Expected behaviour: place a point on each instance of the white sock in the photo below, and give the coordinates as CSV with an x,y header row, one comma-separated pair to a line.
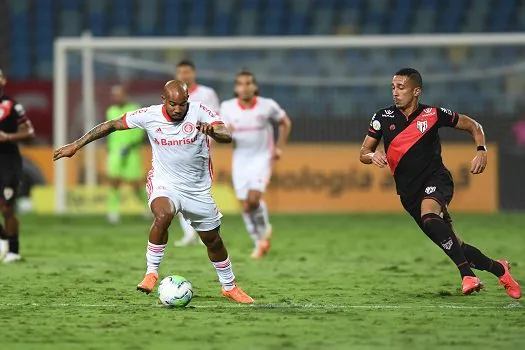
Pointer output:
x,y
260,218
250,227
154,255
187,229
225,273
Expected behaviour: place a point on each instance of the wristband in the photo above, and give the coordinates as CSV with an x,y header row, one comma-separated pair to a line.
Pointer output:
x,y
482,148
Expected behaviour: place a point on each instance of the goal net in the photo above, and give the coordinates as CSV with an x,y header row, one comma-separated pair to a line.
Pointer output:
x,y
330,86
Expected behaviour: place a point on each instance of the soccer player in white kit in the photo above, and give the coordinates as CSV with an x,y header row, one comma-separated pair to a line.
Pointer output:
x,y
180,178
186,72
249,117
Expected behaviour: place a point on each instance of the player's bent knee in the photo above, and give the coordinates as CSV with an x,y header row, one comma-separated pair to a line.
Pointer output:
x,y
214,244
163,218
252,204
211,239
430,206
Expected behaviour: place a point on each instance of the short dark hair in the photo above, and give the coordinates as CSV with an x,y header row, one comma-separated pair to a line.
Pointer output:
x,y
412,74
247,73
186,63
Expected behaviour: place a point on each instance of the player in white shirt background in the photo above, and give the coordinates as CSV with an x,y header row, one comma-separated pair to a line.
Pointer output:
x,y
186,72
250,118
180,178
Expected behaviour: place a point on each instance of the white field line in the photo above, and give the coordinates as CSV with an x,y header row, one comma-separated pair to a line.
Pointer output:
x,y
513,305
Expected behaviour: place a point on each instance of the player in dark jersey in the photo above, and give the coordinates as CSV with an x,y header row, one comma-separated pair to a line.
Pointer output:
x,y
413,153
14,127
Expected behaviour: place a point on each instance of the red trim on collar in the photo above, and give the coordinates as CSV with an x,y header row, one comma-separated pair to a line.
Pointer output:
x,y
250,106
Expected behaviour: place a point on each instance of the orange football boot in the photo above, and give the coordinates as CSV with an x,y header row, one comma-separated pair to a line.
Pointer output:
x,y
148,283
512,287
471,284
263,247
238,295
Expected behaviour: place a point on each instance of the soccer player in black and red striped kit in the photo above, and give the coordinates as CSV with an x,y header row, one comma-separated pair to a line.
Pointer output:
x,y
425,186
14,127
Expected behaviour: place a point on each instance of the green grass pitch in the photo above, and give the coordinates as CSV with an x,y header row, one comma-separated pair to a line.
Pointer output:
x,y
330,282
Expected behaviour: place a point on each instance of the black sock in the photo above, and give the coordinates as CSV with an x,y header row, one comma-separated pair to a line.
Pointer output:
x,y
14,245
2,233
480,261
442,235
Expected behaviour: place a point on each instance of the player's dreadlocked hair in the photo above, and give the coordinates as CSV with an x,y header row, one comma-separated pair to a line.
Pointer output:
x,y
412,74
246,73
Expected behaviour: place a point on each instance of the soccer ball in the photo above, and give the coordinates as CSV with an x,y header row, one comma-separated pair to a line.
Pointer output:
x,y
175,291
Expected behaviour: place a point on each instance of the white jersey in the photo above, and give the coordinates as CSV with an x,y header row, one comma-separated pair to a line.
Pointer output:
x,y
206,95
181,153
252,130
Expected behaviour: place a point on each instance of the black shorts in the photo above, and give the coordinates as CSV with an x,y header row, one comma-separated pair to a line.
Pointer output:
x,y
10,176
439,187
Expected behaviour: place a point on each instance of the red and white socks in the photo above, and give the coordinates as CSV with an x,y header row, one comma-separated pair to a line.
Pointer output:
x,y
154,255
225,273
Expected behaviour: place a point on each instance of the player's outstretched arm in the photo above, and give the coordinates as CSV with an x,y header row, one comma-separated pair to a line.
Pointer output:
x,y
370,155
479,162
99,131
218,131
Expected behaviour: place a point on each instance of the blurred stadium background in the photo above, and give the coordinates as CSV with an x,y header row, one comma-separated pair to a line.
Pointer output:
x,y
358,279
329,93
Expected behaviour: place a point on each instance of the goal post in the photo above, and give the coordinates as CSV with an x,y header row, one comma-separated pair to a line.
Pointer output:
x,y
112,51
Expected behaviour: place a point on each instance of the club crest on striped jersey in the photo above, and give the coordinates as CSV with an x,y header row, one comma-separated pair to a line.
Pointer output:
x,y
422,126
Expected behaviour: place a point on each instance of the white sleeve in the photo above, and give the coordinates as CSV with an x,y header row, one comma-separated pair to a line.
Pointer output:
x,y
207,115
214,101
136,119
276,112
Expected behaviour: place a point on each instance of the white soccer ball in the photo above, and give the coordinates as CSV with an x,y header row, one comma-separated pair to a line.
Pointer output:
x,y
175,291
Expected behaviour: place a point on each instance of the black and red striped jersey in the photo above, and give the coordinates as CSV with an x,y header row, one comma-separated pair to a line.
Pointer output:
x,y
12,114
412,144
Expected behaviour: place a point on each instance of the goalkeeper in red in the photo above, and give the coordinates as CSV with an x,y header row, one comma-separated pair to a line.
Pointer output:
x,y
425,186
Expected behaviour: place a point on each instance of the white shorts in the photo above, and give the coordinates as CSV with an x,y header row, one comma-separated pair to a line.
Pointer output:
x,y
199,209
250,175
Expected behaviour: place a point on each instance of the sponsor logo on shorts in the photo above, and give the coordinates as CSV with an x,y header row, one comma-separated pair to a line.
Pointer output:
x,y
430,189
447,245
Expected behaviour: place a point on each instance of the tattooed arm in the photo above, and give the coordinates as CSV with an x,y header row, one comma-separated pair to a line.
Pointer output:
x,y
99,131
